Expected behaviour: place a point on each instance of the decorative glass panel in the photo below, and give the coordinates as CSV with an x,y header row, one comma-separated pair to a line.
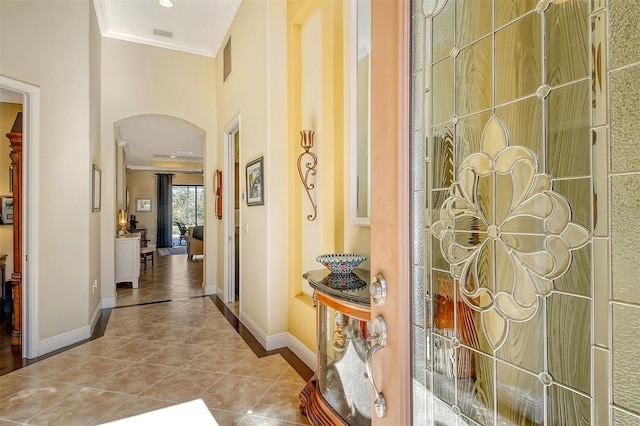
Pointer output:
x,y
568,131
568,408
516,219
625,37
625,120
620,418
443,91
601,292
625,350
601,363
579,195
598,62
474,77
419,355
577,280
504,254
518,59
625,234
442,30
509,10
417,83
567,41
524,121
520,397
473,21
475,397
442,156
468,133
523,344
569,334
418,296
443,371
600,161
418,41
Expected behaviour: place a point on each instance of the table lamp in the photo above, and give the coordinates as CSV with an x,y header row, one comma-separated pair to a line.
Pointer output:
x,y
122,220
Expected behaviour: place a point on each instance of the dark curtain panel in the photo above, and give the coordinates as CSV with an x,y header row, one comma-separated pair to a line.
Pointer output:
x,y
164,209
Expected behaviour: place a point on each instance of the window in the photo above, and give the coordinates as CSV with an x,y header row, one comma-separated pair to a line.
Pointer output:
x,y
188,204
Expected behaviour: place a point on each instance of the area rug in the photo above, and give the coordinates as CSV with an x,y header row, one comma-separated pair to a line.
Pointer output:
x,y
169,251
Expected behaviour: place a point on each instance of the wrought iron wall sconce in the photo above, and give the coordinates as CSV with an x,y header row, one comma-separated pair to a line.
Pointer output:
x,y
310,168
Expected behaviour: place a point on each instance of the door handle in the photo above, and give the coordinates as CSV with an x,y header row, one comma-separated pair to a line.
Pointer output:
x,y
378,340
378,290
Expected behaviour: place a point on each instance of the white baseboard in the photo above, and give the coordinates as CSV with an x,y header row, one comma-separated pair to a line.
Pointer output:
x,y
277,341
94,317
209,289
108,302
253,328
305,354
65,339
280,340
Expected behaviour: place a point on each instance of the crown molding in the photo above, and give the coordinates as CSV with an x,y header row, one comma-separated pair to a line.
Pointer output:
x,y
181,47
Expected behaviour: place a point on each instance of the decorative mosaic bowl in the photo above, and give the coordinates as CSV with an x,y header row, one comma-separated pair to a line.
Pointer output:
x,y
344,282
341,263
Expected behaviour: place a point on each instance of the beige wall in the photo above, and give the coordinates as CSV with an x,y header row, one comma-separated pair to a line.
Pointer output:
x,y
139,79
95,56
67,61
8,113
55,57
255,90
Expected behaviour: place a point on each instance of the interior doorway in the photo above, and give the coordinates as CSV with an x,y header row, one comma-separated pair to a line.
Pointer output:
x,y
231,206
30,218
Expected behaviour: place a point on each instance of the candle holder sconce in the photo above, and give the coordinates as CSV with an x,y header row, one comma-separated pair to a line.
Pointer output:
x,y
310,168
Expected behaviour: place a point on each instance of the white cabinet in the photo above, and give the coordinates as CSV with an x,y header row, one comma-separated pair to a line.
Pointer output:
x,y
128,259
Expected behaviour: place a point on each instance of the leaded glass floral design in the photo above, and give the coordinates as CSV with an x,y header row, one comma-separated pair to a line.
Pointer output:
x,y
505,232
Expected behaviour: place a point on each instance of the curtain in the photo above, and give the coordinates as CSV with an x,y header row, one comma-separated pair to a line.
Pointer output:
x,y
164,209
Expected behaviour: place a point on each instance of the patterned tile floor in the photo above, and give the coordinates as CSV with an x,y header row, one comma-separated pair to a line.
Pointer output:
x,y
152,356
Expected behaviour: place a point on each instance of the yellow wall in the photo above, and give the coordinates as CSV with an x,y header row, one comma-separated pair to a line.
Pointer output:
x,y
317,56
8,113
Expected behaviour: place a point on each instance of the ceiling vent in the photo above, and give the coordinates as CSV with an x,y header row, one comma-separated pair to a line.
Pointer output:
x,y
162,33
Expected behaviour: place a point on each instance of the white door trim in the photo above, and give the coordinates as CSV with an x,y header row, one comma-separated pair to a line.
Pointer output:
x,y
228,208
31,216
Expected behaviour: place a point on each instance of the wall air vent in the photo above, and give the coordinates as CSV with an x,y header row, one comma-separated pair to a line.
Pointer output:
x,y
162,33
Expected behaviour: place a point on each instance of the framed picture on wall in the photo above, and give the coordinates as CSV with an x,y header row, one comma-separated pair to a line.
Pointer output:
x,y
255,183
143,205
96,188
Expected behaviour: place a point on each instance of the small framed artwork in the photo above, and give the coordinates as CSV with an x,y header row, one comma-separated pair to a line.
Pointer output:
x,y
96,185
255,183
143,205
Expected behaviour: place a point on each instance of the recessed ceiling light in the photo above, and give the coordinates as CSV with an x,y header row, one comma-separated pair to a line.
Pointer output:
x,y
172,156
166,3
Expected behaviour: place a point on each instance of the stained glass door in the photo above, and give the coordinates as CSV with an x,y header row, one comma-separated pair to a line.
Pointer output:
x,y
523,178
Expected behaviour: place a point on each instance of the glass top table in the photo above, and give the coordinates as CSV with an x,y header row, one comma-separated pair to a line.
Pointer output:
x,y
352,287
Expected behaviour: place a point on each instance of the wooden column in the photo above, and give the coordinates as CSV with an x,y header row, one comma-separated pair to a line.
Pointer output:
x,y
15,141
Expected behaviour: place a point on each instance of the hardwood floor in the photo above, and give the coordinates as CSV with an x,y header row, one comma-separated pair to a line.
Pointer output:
x,y
172,277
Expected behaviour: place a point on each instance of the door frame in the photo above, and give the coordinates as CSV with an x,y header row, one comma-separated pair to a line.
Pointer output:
x,y
390,199
31,217
228,207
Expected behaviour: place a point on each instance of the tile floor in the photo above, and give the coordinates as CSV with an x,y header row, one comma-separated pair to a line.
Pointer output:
x,y
152,356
